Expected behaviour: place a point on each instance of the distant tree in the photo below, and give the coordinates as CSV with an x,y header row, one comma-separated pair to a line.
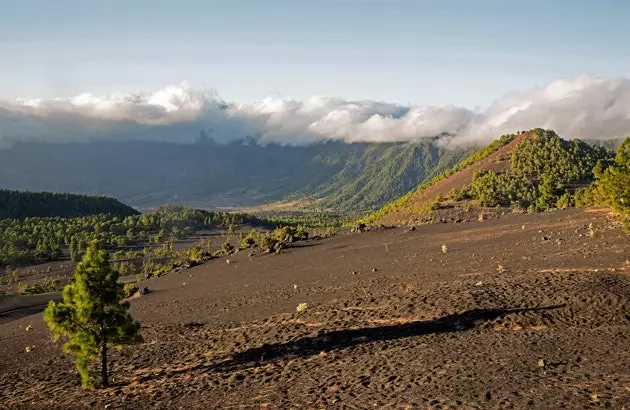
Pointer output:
x,y
91,316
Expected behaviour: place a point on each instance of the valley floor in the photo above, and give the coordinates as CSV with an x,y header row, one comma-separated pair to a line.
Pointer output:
x,y
522,311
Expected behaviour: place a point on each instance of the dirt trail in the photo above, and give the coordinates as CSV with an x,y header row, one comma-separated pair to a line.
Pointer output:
x,y
522,311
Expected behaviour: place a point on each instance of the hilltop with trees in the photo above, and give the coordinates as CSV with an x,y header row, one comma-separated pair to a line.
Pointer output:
x,y
534,170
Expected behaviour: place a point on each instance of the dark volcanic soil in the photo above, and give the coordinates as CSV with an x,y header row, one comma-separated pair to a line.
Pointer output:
x,y
522,311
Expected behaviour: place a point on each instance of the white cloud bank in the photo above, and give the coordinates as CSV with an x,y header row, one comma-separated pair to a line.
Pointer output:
x,y
580,107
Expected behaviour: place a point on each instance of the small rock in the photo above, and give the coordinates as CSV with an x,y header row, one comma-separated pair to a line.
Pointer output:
x,y
480,283
354,272
541,363
412,229
374,269
144,291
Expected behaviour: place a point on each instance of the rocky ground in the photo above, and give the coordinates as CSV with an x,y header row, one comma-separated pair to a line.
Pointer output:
x,y
515,311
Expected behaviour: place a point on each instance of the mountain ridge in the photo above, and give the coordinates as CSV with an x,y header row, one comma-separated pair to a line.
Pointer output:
x,y
332,175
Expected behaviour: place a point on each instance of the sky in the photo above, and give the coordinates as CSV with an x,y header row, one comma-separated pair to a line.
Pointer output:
x,y
466,53
301,71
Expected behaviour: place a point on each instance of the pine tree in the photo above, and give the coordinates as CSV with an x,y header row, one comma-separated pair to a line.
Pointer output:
x,y
614,182
91,316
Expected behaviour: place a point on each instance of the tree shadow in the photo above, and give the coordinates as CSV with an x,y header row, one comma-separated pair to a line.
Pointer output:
x,y
341,339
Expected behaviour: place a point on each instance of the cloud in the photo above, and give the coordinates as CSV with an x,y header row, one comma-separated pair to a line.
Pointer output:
x,y
580,107
584,107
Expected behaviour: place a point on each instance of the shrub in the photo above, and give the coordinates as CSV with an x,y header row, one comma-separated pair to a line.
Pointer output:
x,y
288,234
129,290
250,240
227,248
196,255
457,194
268,242
125,268
45,286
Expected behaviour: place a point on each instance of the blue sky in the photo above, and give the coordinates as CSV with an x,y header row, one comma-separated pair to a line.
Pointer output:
x,y
420,52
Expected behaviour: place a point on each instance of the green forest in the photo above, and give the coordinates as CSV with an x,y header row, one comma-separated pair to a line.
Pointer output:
x,y
44,239
546,172
18,204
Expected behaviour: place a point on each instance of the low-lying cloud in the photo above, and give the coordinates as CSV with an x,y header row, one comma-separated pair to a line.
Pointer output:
x,y
580,107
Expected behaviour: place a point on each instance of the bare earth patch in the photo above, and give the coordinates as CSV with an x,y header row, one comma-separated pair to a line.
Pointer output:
x,y
507,318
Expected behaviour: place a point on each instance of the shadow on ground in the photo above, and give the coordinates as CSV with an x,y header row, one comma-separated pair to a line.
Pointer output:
x,y
341,339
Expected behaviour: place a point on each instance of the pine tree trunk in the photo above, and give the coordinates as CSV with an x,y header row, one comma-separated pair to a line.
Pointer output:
x,y
104,377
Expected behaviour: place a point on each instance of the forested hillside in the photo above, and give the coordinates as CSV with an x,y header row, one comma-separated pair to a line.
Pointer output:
x,y
534,170
16,204
545,172
332,175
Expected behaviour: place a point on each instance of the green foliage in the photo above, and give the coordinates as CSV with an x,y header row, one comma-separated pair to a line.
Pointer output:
x,y
288,234
125,268
457,194
282,237
587,196
197,255
37,240
250,240
544,167
20,205
613,182
129,290
268,242
373,174
546,155
476,156
492,189
44,286
227,248
546,172
91,317
306,218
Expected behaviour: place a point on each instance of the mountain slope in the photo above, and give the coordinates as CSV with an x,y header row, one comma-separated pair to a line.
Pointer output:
x,y
332,175
535,169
